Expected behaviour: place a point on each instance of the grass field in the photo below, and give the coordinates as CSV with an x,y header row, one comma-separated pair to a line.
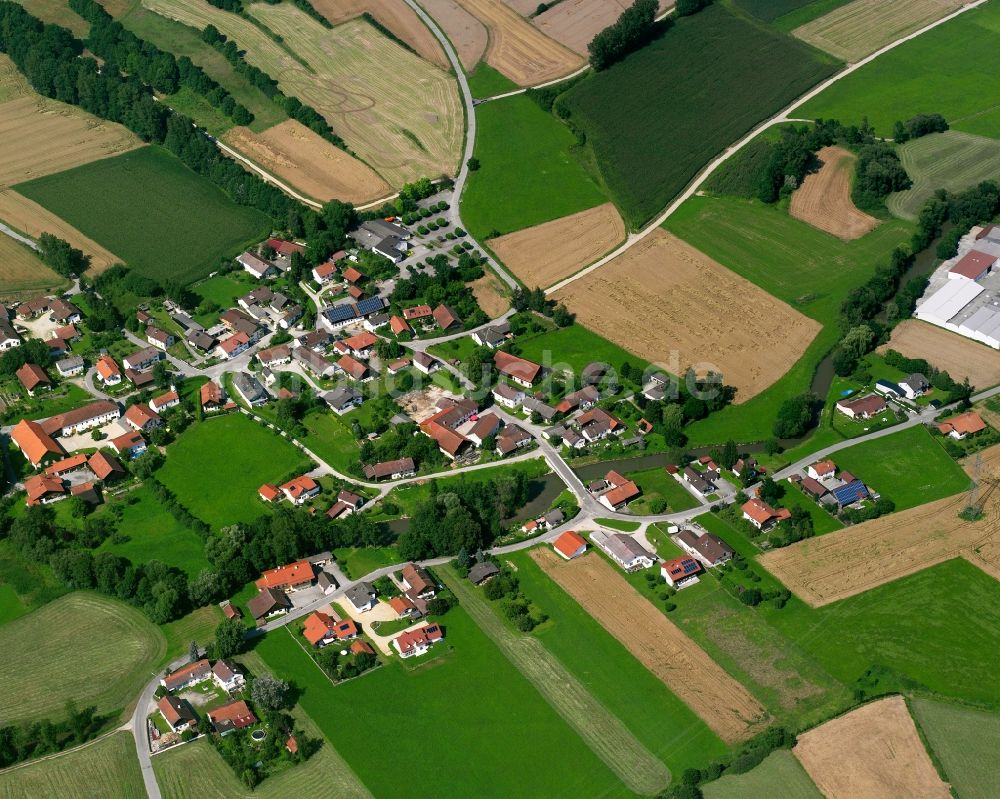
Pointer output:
x,y
114,200
73,658
648,144
11,605
951,160
657,483
331,438
931,73
155,535
596,722
963,740
573,348
22,272
466,681
58,13
823,522
528,173
908,467
484,81
618,524
200,470
107,769
779,775
654,715
359,561
25,584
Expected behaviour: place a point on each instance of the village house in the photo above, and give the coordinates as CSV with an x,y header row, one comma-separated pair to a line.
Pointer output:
x,y
314,362
511,439
398,326
80,420
73,463
413,643
337,316
275,356
235,345
597,424
144,359
108,371
707,547
424,363
325,271
319,629
569,545
915,385
392,470
747,467
64,312
268,493
268,603
233,716
130,444
227,676
373,323
142,418
521,371
404,608
258,267
493,336
177,713
763,516
966,424
416,313
212,397
288,578
106,468
862,407
398,366
698,481
187,676
621,491
300,489
361,596
822,470
160,339
850,492
8,336
417,582
169,400
249,389
446,318
285,248
583,399
487,425
354,369
70,367
483,572
346,504
33,378
624,550
506,395
342,399
42,489
680,572
361,345
813,487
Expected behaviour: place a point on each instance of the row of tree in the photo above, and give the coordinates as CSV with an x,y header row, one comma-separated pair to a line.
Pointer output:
x,y
634,28
46,737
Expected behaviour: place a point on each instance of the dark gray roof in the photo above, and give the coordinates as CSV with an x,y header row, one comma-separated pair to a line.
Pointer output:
x,y
482,571
341,397
360,594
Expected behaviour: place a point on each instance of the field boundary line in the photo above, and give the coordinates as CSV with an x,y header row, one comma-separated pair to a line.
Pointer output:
x,y
781,117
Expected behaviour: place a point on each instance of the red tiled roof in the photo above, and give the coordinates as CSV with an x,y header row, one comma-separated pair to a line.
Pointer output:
x,y
40,485
965,424
32,375
127,441
352,275
402,605
344,629
211,393
516,367
359,647
824,467
140,414
398,325
626,492
285,247
104,465
238,713
268,492
445,317
106,367
230,344
362,341
354,368
34,442
569,543
758,510
416,312
318,625
422,636
67,464
682,567
299,486
291,574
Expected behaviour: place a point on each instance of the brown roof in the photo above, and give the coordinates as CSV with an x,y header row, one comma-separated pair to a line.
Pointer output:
x,y
32,375
387,468
34,442
516,367
972,264
417,578
445,317
865,406
104,466
89,411
965,424
713,548
268,599
197,671
625,492
141,415
446,438
40,485
175,710
487,425
237,713
398,325
354,368
127,440
813,486
416,312
211,393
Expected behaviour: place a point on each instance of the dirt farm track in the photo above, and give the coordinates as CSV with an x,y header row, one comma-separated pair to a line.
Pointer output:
x,y
863,556
722,703
824,198
691,298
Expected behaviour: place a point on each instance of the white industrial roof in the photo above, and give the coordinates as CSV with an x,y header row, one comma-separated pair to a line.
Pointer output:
x,y
947,301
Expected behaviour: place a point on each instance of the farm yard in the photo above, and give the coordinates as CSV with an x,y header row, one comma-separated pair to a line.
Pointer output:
x,y
207,449
930,74
32,219
395,15
467,34
574,23
403,131
779,775
544,254
959,356
461,682
526,157
603,732
951,160
870,753
852,31
962,740
648,144
22,272
113,201
70,661
309,163
721,702
692,300
108,767
517,49
824,198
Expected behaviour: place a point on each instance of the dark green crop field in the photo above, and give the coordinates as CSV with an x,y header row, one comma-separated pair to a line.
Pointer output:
x,y
655,119
145,206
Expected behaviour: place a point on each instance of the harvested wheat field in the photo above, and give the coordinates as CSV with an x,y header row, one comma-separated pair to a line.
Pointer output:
x,y
824,198
873,752
39,137
466,33
723,703
575,22
961,357
544,254
396,16
13,84
517,48
863,556
861,27
309,163
404,129
22,272
705,316
32,219
489,294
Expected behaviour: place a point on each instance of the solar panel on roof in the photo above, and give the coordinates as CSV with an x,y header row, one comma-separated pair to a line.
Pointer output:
x,y
851,492
339,313
370,306
689,566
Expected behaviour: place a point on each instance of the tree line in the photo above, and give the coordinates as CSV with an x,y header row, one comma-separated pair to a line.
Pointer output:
x,y
634,28
20,742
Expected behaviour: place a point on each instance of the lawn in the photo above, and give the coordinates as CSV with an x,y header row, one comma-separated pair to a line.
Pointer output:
x,y
657,483
527,174
108,769
216,467
484,716
823,522
64,397
359,561
11,605
950,70
661,721
115,201
573,348
704,83
331,438
460,348
94,650
484,81
199,625
618,524
779,775
964,741
24,584
154,534
224,289
908,467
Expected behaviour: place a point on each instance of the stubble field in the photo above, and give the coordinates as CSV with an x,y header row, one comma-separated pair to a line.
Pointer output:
x,y
853,31
544,254
467,34
404,129
489,293
824,198
870,753
860,557
723,703
964,740
518,49
574,23
21,271
309,163
396,16
959,356
694,303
